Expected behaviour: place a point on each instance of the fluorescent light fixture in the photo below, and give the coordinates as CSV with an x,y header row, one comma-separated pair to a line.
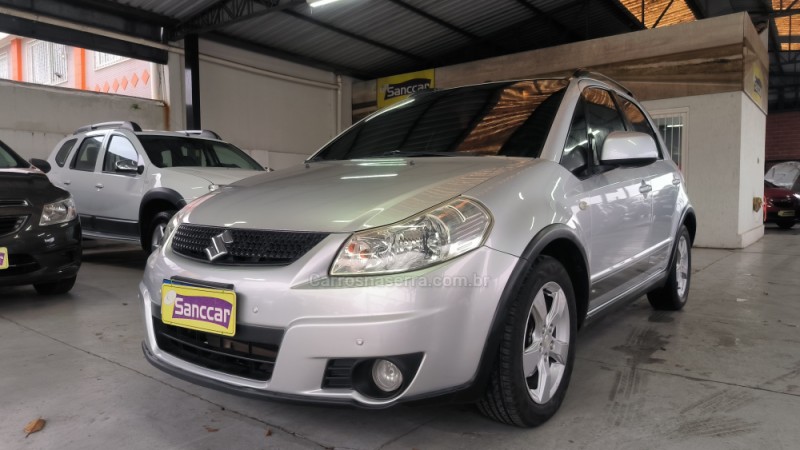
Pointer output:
x,y
361,177
315,3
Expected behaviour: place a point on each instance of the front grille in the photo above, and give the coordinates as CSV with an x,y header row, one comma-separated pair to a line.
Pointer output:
x,y
248,246
20,264
4,203
241,358
10,224
339,374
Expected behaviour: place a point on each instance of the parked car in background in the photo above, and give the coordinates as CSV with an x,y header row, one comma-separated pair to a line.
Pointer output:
x,y
781,205
40,236
448,246
127,183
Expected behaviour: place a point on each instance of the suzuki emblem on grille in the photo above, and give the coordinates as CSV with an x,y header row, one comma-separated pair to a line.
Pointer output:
x,y
217,247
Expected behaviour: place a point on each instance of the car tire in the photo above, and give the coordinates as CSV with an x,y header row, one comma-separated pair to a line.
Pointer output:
x,y
156,230
55,287
673,295
785,224
534,362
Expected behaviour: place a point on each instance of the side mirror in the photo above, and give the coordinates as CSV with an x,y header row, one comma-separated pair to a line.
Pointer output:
x,y
126,167
140,170
628,147
41,164
269,169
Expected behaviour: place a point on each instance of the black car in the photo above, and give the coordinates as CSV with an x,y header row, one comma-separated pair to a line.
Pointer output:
x,y
40,236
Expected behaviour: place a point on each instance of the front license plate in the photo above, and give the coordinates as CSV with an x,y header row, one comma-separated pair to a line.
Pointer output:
x,y
199,308
3,258
786,213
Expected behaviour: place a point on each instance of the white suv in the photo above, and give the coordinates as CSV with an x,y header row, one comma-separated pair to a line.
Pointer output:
x,y
127,183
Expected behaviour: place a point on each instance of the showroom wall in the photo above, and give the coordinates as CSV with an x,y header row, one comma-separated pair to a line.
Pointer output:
x,y
725,163
278,111
783,136
34,118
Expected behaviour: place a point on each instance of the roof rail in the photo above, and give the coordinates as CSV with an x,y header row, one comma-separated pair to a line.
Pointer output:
x,y
201,133
583,73
133,126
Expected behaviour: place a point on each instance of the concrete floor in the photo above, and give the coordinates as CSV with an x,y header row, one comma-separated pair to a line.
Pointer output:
x,y
722,374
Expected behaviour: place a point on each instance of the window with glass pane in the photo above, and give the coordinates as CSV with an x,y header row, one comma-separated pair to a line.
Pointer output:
x,y
672,130
4,70
48,63
120,149
102,60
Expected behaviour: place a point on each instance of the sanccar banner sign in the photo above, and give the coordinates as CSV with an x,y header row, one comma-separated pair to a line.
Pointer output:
x,y
398,87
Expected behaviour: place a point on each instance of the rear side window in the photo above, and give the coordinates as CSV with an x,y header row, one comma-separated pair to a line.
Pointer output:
x,y
86,156
63,152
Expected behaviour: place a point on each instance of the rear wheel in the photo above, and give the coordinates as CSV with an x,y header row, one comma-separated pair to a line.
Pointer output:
x,y
673,295
155,232
55,287
537,350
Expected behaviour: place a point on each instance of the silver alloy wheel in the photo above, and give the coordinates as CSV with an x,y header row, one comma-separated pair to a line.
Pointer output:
x,y
682,266
546,342
158,235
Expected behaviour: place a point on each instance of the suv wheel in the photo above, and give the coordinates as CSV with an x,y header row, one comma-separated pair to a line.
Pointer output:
x,y
537,349
55,287
673,295
155,232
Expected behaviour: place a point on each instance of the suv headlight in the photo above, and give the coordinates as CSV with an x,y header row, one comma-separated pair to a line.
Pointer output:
x,y
58,212
431,237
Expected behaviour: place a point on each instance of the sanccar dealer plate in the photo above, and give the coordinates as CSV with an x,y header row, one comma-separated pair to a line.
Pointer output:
x,y
3,258
199,308
786,213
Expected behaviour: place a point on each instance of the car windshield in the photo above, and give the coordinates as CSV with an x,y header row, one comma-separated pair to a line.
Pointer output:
x,y
10,160
506,119
178,151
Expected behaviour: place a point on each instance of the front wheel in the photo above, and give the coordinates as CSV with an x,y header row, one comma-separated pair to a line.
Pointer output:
x,y
786,224
673,295
537,349
155,232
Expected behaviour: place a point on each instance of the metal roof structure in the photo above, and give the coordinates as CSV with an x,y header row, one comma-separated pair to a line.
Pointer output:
x,y
372,38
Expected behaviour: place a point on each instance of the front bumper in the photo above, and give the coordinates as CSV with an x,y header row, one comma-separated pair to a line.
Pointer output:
x,y
443,312
42,254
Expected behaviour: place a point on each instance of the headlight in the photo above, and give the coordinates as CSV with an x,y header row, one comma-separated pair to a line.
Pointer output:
x,y
433,236
58,212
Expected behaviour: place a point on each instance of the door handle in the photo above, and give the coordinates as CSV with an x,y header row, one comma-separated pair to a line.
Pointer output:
x,y
99,185
68,182
645,188
676,181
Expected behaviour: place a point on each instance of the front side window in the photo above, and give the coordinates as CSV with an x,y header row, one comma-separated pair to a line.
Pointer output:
x,y
636,118
86,156
177,151
48,63
120,149
508,119
602,117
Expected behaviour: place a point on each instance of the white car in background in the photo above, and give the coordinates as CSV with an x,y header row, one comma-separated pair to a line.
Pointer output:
x,y
127,183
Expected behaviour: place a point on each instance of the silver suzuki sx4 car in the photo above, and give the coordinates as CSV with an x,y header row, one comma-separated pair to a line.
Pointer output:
x,y
448,246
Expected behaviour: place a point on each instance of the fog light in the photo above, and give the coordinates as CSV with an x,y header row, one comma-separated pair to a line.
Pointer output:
x,y
386,375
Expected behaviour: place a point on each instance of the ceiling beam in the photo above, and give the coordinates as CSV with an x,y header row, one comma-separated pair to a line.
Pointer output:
x,y
358,37
625,16
555,23
445,24
663,13
227,12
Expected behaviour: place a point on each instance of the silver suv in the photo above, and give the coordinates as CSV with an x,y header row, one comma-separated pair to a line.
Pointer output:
x,y
127,183
449,246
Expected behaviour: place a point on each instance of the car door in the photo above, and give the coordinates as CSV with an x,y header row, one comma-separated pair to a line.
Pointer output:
x,y
119,192
616,199
665,180
80,179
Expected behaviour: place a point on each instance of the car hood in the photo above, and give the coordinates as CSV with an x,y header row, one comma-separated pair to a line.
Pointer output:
x,y
345,196
215,175
28,184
